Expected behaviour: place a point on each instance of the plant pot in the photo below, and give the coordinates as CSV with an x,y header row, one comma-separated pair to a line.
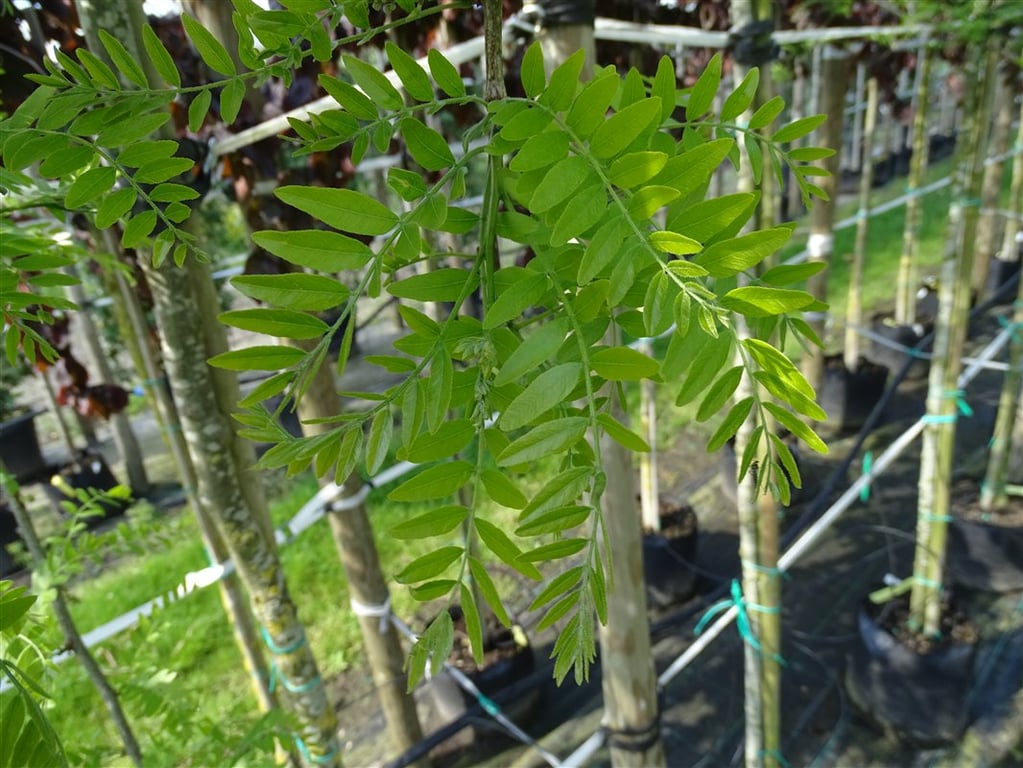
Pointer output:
x,y
8,535
507,658
850,396
1000,273
668,557
19,448
920,698
985,557
892,358
89,471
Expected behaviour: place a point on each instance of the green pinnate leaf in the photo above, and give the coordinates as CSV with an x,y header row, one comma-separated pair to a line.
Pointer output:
x,y
729,257
101,74
563,178
123,60
569,580
546,392
767,113
147,151
283,323
257,358
718,394
540,151
445,441
66,161
427,147
486,587
563,83
358,104
498,542
210,49
162,61
663,86
231,98
674,243
436,522
624,127
172,193
556,550
114,206
555,520
797,427
343,209
198,110
534,350
798,129
582,212
138,228
589,110
436,482
473,625
635,168
445,284
546,439
623,364
710,359
532,72
158,171
445,74
502,490
296,291
762,301
622,434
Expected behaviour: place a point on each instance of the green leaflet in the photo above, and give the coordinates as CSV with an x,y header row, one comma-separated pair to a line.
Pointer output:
x,y
674,243
343,209
710,358
718,394
89,186
212,51
622,434
758,301
544,440
66,161
231,98
663,86
729,257
555,520
739,100
773,361
488,590
283,323
545,392
736,416
445,284
169,192
602,249
445,74
558,586
797,427
635,168
116,204
563,82
589,110
531,73
267,388
376,85
358,104
497,541
582,212
445,441
413,77
146,151
138,228
436,522
624,127
162,61
429,566
789,274
798,128
298,291
649,199
525,292
436,482
540,151
783,388
693,168
563,178
623,364
534,350
315,249
198,108
706,220
427,147
502,490
157,171
257,358
702,94
438,391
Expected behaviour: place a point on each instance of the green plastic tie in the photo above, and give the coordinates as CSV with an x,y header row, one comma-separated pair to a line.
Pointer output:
x,y
968,202
960,397
765,569
276,674
939,418
868,464
938,518
777,756
278,650
742,617
925,582
1013,328
488,705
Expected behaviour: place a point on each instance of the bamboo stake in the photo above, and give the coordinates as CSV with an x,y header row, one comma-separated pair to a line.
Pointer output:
x,y
854,308
71,635
648,483
905,295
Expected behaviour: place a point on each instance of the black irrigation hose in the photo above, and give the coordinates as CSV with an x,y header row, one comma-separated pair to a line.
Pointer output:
x,y
671,622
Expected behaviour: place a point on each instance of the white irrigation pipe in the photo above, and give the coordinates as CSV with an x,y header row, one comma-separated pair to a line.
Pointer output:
x,y
799,547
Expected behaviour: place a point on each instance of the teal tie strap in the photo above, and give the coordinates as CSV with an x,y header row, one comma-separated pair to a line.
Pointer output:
x,y
868,464
960,397
742,622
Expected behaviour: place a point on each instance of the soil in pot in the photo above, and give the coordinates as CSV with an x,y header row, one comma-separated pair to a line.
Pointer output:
x,y
669,555
90,470
985,551
507,658
914,688
850,396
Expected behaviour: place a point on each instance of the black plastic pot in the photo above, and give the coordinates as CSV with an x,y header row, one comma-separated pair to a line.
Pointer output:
x,y
19,448
668,557
985,557
850,396
90,470
515,662
1001,272
903,335
8,535
919,698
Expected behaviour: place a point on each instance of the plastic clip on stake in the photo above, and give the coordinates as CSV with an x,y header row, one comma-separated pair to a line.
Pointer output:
x,y
381,611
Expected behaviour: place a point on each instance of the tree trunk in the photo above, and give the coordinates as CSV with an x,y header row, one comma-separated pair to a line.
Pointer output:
x,y
648,483
943,397
905,293
73,638
854,308
821,243
353,536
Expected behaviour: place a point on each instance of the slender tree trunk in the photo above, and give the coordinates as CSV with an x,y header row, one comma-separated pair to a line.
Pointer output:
x,y
905,295
648,485
353,536
821,243
950,336
854,307
990,220
73,638
1008,432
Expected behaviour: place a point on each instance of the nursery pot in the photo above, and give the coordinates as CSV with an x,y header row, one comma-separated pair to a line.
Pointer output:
x,y
8,535
90,470
850,396
507,658
1001,272
984,556
892,358
920,697
19,448
668,557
